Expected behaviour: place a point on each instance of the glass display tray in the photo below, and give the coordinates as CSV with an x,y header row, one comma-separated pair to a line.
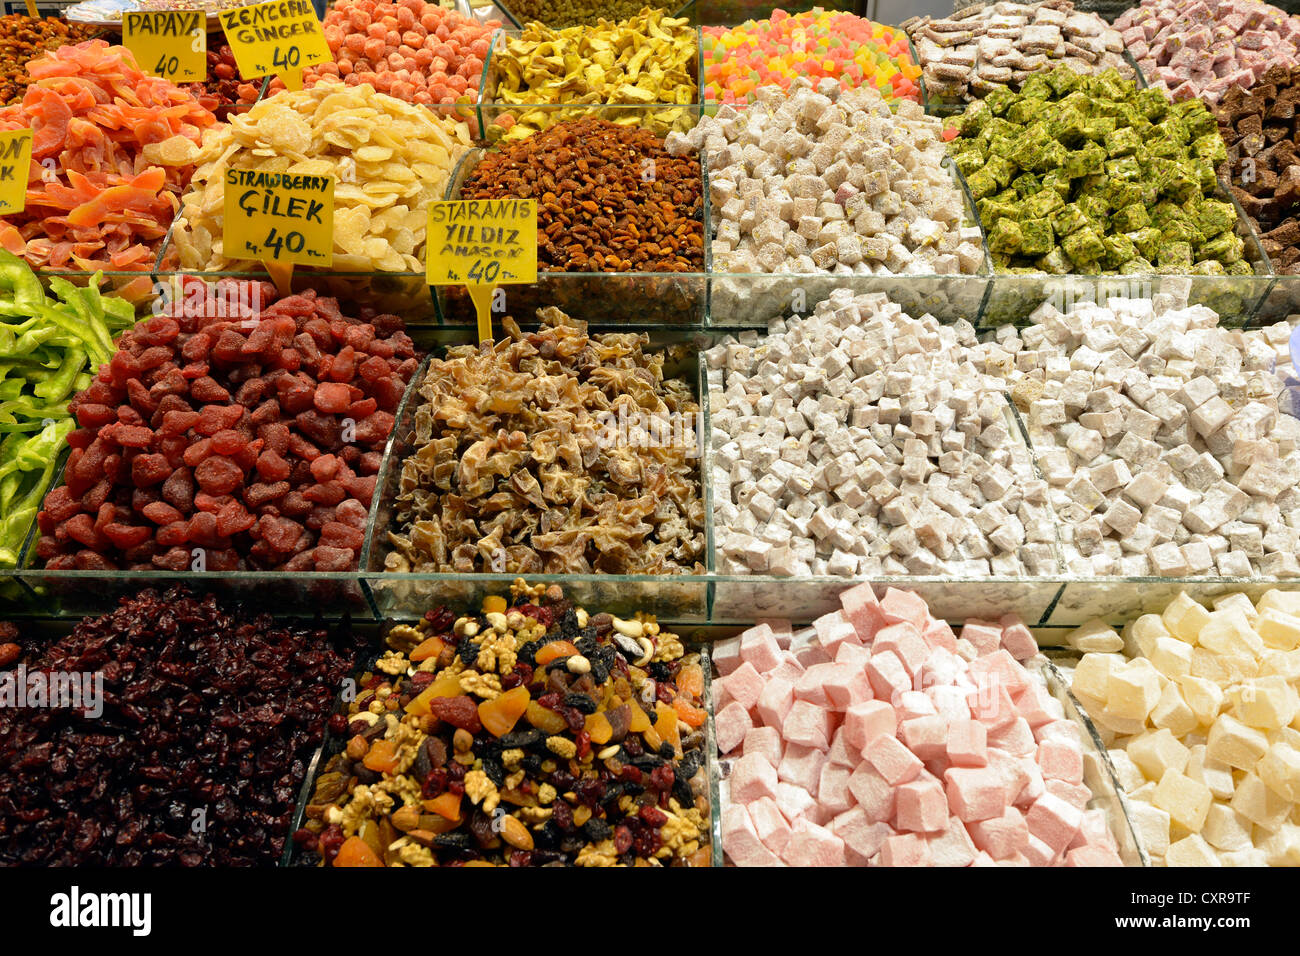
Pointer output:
x,y
1098,774
647,299
1013,296
750,299
405,596
333,744
492,109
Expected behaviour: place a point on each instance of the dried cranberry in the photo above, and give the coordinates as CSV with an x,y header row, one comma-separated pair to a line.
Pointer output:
x,y
435,784
646,842
338,724
665,692
653,816
440,619
583,741
511,681
563,816
630,774
622,839
662,777
550,701
541,614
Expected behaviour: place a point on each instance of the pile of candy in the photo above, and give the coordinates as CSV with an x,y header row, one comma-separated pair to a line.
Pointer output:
x,y
816,44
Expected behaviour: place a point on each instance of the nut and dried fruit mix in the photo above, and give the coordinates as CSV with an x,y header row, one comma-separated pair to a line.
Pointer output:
x,y
533,733
254,438
610,198
201,711
552,452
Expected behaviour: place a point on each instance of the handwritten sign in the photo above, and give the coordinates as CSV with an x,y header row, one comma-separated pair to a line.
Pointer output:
x,y
482,243
279,37
172,44
279,218
15,161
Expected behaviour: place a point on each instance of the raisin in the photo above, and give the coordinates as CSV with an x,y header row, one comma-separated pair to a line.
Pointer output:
x,y
597,830
581,703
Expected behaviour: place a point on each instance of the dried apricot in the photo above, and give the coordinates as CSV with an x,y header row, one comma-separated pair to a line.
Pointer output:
x,y
355,852
446,686
430,647
446,806
689,715
500,714
382,757
553,651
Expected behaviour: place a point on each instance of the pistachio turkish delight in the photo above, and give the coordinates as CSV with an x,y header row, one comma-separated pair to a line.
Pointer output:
x,y
1090,175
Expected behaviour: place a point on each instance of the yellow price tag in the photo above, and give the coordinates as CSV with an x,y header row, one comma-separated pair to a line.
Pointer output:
x,y
279,218
15,164
172,44
279,37
481,243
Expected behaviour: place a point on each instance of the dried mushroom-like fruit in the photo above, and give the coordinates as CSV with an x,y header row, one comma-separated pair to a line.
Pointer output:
x,y
551,452
596,765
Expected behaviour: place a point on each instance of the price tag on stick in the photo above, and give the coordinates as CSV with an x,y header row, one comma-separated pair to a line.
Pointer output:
x,y
482,243
279,219
279,37
15,162
172,44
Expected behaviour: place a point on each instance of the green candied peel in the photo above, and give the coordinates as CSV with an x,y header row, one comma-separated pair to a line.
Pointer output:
x,y
1091,175
49,350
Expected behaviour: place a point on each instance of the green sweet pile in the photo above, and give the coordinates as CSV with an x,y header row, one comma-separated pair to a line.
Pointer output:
x,y
1090,175
49,348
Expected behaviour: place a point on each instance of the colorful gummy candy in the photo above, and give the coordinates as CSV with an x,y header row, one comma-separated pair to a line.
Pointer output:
x,y
816,44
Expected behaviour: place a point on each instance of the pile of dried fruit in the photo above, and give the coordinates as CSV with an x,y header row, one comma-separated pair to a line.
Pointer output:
x,y
209,716
536,455
389,159
23,38
253,437
113,149
647,60
415,50
609,198
528,735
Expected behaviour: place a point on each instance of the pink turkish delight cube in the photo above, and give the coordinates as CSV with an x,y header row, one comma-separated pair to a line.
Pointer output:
x,y
875,794
765,741
975,793
813,845
921,806
801,766
758,646
892,760
730,726
967,744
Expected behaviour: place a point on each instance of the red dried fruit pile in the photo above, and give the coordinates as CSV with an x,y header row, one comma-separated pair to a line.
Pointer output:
x,y
252,442
208,714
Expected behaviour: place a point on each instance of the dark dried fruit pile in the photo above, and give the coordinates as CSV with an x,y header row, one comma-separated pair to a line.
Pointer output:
x,y
529,735
253,441
609,198
208,715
